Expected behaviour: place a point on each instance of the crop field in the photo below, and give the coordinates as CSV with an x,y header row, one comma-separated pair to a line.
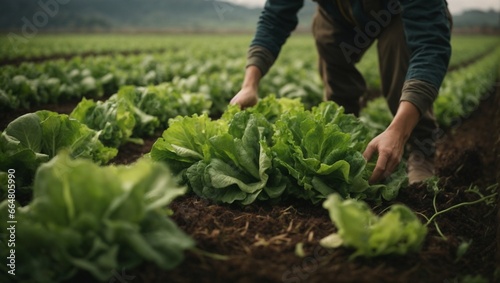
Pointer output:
x,y
122,161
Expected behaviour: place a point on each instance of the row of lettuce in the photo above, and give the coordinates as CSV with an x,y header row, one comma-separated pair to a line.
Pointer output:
x,y
73,215
49,46
210,70
463,90
461,93
249,142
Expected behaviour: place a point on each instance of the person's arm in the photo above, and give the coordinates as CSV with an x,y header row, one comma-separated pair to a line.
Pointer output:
x,y
277,21
427,30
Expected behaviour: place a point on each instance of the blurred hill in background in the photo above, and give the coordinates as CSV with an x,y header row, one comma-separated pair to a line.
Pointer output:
x,y
195,15
477,19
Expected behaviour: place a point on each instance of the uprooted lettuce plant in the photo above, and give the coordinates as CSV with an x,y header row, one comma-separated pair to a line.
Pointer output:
x,y
398,231
95,219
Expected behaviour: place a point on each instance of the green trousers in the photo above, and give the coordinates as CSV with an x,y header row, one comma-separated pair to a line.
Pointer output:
x,y
345,85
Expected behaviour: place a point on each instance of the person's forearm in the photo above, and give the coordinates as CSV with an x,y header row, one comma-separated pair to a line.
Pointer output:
x,y
252,77
405,120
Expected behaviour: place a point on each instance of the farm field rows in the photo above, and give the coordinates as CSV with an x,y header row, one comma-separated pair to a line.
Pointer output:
x,y
253,211
187,67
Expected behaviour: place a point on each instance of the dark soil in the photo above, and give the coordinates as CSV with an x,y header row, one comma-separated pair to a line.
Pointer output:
x,y
260,239
128,153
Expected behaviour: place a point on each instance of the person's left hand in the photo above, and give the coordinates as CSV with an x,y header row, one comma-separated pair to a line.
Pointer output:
x,y
389,145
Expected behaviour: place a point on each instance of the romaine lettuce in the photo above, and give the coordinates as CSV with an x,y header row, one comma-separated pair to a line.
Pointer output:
x,y
96,219
273,148
318,154
37,137
223,162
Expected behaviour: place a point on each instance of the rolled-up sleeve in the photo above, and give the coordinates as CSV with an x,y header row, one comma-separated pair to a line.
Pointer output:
x,y
427,30
277,21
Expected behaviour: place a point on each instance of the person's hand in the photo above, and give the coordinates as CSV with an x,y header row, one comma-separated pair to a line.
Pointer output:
x,y
246,97
389,146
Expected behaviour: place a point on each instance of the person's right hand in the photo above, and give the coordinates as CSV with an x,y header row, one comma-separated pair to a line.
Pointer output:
x,y
246,97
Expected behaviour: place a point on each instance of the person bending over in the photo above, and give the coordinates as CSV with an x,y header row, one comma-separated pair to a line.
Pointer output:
x,y
413,42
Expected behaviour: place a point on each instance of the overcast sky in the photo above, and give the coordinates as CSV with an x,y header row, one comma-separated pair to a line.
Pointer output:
x,y
456,6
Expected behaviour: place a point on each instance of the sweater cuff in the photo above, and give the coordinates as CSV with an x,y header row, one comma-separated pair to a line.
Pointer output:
x,y
419,93
261,58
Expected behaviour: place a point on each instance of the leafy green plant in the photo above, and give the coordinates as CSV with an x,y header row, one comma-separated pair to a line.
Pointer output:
x,y
398,231
113,120
315,151
462,90
322,150
135,112
165,101
221,161
186,141
35,138
276,147
95,219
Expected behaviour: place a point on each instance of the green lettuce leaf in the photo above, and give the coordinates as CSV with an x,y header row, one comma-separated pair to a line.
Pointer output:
x,y
273,148
270,107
